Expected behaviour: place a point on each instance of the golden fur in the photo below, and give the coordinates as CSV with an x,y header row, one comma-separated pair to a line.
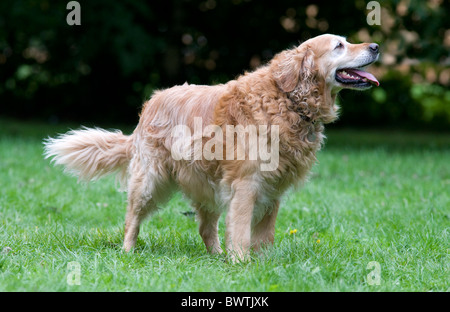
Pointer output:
x,y
295,91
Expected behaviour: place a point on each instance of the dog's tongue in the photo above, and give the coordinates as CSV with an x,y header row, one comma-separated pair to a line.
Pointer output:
x,y
366,75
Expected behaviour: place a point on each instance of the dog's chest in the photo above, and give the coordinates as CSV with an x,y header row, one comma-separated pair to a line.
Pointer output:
x,y
297,156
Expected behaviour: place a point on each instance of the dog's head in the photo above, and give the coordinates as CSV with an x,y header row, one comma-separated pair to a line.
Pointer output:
x,y
328,58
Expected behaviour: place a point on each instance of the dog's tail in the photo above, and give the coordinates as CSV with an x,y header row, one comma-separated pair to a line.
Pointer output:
x,y
91,153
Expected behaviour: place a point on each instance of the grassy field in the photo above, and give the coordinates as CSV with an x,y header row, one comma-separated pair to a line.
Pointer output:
x,y
375,216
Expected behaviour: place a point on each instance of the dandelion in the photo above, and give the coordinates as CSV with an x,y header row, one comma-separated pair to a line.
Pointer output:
x,y
318,241
293,231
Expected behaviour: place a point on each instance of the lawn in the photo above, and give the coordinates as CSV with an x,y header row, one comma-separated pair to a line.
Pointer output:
x,y
375,216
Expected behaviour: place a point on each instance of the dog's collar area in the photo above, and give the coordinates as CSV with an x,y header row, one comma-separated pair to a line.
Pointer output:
x,y
306,118
297,109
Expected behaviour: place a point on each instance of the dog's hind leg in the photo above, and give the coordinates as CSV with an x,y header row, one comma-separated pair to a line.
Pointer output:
x,y
208,228
145,191
136,212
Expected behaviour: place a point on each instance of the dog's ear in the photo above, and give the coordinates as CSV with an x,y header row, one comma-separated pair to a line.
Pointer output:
x,y
292,66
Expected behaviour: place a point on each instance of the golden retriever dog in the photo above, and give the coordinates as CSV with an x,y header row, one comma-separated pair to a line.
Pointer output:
x,y
225,165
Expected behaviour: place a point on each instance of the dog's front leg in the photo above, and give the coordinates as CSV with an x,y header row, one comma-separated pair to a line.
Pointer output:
x,y
264,231
239,220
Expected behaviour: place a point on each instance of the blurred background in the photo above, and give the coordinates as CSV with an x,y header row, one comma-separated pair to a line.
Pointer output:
x,y
104,69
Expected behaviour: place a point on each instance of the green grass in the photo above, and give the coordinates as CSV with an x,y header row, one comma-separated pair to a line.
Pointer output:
x,y
373,196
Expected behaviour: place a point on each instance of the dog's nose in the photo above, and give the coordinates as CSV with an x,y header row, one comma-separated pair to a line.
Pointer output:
x,y
373,47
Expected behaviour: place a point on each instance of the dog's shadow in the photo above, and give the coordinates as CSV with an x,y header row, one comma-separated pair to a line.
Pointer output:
x,y
161,244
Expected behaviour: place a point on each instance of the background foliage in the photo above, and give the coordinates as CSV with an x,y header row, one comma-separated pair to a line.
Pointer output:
x,y
103,70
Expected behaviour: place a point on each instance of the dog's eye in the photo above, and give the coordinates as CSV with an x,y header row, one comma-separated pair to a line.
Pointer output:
x,y
339,45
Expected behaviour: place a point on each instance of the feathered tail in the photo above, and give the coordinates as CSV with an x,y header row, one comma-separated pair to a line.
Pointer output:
x,y
91,153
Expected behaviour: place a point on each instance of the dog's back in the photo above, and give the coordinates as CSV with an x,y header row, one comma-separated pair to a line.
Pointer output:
x,y
178,105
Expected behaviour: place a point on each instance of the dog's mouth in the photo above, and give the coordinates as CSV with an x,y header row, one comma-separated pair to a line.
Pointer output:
x,y
356,78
